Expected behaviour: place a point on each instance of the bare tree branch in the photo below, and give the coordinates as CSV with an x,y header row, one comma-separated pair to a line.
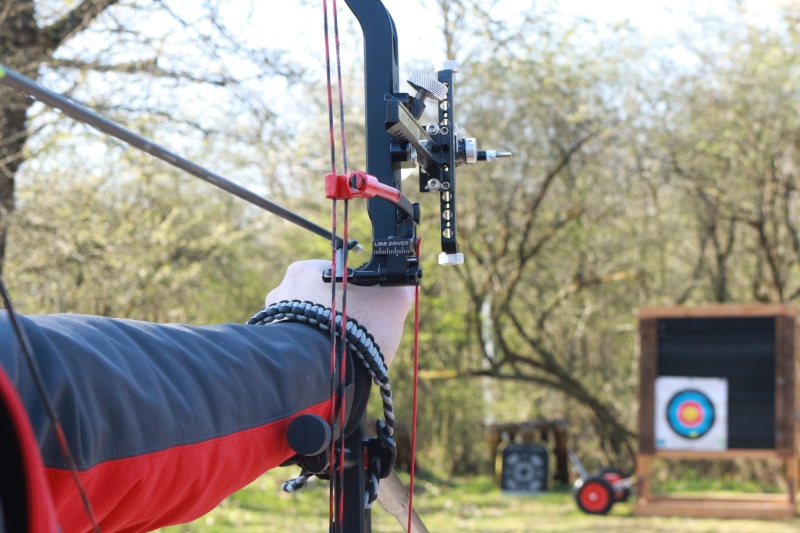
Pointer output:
x,y
54,35
148,66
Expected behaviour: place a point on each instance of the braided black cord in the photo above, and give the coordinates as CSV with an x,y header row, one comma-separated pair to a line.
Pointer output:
x,y
295,484
360,344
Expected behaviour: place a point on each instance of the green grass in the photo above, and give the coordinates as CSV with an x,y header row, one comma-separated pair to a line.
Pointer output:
x,y
714,485
457,506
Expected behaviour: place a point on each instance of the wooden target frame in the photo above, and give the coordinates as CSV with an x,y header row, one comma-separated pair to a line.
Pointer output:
x,y
753,348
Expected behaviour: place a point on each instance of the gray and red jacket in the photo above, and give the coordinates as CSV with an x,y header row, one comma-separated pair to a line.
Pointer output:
x,y
164,421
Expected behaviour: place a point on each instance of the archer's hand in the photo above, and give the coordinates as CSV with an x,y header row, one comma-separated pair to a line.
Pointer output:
x,y
381,310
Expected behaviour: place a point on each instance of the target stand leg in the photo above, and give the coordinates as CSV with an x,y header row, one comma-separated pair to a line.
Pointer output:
x,y
643,464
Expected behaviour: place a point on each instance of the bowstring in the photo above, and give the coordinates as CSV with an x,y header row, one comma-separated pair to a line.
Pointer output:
x,y
337,345
33,367
414,400
334,269
345,230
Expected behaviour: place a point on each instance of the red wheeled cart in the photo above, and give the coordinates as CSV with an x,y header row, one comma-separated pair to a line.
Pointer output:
x,y
597,494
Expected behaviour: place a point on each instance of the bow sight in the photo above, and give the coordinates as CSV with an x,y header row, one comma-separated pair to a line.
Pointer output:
x,y
396,140
437,149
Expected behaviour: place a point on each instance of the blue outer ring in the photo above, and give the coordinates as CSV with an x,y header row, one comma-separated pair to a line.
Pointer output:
x,y
705,403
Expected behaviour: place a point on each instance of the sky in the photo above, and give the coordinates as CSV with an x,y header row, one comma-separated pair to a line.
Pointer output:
x,y
658,19
297,28
663,18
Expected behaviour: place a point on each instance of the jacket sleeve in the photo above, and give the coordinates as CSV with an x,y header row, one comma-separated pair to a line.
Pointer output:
x,y
164,421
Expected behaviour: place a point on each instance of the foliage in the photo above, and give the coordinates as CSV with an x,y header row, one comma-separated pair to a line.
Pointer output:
x,y
139,243
546,286
636,181
728,149
145,64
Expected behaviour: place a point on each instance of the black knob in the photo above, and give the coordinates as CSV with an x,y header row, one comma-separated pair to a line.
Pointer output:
x,y
309,434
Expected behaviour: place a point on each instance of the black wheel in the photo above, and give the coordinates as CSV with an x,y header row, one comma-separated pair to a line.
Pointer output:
x,y
595,496
612,474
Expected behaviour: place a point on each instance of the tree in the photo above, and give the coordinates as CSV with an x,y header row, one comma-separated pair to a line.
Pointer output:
x,y
151,44
729,148
25,46
548,276
140,242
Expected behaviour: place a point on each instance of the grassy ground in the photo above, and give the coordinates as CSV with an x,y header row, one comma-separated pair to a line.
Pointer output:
x,y
472,505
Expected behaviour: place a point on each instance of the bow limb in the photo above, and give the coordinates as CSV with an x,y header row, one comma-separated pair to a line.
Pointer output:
x,y
393,497
393,260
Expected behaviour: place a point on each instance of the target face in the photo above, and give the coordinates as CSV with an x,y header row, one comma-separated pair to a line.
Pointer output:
x,y
524,469
691,413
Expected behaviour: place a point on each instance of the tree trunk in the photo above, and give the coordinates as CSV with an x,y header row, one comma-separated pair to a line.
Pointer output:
x,y
24,46
18,41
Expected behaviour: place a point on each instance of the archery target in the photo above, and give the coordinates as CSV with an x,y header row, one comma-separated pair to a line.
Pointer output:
x,y
691,413
524,468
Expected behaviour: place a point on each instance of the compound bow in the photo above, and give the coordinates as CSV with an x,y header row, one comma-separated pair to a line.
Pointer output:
x,y
395,139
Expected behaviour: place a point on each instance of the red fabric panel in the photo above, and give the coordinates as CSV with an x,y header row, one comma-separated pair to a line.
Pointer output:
x,y
41,513
172,486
